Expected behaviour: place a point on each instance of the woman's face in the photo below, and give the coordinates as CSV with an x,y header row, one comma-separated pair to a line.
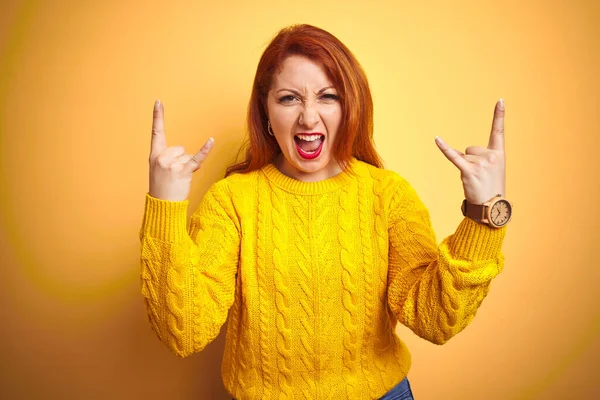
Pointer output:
x,y
303,106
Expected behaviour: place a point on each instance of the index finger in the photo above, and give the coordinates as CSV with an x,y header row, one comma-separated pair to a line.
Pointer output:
x,y
159,141
197,159
452,155
496,141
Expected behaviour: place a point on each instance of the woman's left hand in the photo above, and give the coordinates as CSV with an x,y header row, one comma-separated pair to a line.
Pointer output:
x,y
482,170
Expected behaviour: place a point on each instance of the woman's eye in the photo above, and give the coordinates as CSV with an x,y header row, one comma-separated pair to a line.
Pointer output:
x,y
286,98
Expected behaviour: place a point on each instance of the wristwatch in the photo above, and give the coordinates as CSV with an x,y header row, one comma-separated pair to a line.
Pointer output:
x,y
495,212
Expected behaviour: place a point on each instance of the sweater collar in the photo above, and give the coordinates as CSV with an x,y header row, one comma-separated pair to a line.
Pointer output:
x,y
295,186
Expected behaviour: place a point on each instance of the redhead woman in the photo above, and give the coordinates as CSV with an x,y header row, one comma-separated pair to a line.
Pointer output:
x,y
311,248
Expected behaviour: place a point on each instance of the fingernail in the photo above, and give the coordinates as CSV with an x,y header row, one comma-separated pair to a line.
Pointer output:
x,y
501,104
439,139
156,104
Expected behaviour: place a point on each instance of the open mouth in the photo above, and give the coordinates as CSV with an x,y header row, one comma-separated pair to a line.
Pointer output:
x,y
309,146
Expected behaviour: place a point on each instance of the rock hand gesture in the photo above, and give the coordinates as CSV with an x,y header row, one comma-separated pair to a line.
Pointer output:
x,y
170,168
482,170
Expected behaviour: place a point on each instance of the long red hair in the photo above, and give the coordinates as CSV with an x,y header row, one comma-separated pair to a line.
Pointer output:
x,y
355,133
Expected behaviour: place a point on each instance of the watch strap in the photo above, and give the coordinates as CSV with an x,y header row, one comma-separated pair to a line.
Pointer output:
x,y
473,211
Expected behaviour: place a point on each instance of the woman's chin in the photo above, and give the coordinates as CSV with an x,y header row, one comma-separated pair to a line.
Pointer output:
x,y
310,166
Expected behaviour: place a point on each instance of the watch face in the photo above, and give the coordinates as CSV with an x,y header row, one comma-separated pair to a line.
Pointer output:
x,y
500,213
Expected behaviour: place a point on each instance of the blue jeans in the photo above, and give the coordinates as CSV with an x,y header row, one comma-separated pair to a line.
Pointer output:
x,y
401,391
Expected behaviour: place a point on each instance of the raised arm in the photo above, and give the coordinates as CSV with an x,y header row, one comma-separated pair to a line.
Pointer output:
x,y
188,275
436,290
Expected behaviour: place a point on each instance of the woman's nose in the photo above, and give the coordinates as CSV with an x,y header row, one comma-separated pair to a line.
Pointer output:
x,y
308,117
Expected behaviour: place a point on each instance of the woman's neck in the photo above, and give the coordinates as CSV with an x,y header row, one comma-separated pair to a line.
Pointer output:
x,y
330,170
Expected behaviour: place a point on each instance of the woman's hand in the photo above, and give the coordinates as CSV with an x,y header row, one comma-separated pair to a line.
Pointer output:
x,y
482,170
170,168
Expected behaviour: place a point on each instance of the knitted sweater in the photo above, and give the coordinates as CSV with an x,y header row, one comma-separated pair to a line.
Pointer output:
x,y
314,277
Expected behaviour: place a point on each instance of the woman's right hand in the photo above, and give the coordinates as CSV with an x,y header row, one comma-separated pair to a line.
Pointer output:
x,y
170,168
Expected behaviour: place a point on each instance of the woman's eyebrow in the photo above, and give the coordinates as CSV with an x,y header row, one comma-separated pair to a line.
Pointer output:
x,y
298,93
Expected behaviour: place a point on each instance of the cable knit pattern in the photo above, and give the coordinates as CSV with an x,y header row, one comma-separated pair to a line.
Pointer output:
x,y
282,296
313,277
265,310
349,295
234,331
247,373
384,341
327,332
306,360
365,200
151,260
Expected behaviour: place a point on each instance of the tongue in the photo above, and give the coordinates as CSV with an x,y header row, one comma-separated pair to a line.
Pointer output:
x,y
309,146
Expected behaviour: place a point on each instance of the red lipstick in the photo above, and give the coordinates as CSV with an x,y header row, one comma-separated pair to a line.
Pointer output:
x,y
310,155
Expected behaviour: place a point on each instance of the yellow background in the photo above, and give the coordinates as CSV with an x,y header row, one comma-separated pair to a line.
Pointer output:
x,y
77,84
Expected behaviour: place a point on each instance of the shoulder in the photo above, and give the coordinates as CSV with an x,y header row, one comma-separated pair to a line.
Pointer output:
x,y
236,192
240,184
391,187
385,181
227,197
234,184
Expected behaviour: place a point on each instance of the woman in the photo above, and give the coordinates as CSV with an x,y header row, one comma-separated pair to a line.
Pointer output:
x,y
312,248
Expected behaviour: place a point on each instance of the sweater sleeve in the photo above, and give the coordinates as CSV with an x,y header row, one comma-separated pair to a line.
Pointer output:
x,y
436,290
188,275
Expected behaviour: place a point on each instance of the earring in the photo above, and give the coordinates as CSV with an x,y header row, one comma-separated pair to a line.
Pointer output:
x,y
269,129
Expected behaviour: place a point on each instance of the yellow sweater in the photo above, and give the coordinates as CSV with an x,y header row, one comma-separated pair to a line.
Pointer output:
x,y
318,274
